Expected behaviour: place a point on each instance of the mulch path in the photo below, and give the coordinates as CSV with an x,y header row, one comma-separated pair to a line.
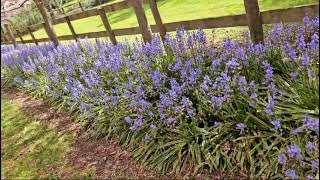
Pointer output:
x,y
105,157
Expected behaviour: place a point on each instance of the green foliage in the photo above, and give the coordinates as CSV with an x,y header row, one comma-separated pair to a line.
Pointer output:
x,y
26,17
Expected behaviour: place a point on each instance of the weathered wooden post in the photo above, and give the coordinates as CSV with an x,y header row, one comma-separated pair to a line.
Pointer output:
x,y
73,32
254,20
20,37
11,35
3,35
142,19
47,22
157,18
3,40
32,36
107,25
80,6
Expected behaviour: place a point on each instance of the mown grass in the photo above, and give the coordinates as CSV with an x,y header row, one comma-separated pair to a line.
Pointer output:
x,y
172,11
27,147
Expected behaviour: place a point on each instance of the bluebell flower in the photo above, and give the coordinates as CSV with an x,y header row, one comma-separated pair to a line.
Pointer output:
x,y
309,177
276,123
241,127
137,124
310,73
215,64
269,108
152,126
217,124
242,85
252,85
305,61
170,120
293,75
314,44
18,79
147,137
282,158
311,124
268,71
233,64
253,96
128,120
204,87
201,37
289,51
293,151
296,131
178,65
315,164
300,41
189,40
311,146
291,174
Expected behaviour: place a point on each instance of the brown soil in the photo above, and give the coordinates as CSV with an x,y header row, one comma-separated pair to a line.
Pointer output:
x,y
106,158
40,111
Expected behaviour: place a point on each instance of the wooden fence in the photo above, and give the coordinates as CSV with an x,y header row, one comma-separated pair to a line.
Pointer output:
x,y
253,18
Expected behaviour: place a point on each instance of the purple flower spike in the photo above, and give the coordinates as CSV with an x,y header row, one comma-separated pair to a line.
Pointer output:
x,y
291,174
241,127
152,126
296,131
276,124
310,74
128,120
293,75
282,158
294,151
311,146
309,177
315,164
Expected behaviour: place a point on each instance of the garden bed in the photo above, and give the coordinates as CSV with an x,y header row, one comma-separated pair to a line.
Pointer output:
x,y
189,105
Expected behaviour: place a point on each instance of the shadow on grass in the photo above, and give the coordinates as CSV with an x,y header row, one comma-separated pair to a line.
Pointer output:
x,y
27,146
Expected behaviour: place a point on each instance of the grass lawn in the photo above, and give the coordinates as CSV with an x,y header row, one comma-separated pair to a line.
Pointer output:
x,y
172,11
28,147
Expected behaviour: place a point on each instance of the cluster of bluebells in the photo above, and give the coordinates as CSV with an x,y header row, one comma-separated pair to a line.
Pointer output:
x,y
181,80
296,158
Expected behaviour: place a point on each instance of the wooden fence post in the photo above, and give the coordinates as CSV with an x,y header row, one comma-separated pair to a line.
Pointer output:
x,y
3,35
158,20
80,6
142,19
254,20
3,40
32,36
13,39
107,25
73,32
47,22
19,34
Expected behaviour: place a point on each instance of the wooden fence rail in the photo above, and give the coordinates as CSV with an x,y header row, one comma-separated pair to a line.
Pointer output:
x,y
253,18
